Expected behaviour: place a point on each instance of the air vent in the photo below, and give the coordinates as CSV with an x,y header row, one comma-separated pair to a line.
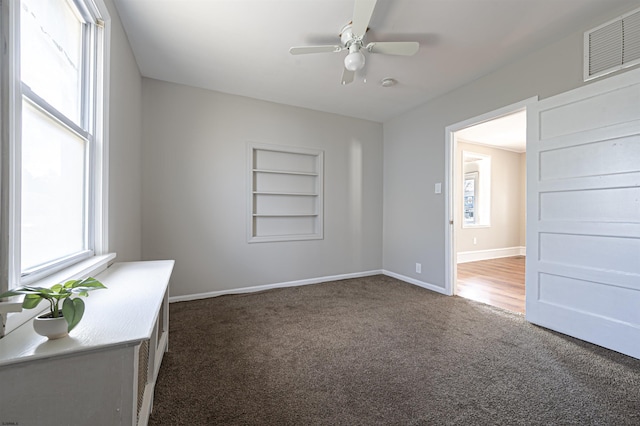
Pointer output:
x,y
143,372
612,46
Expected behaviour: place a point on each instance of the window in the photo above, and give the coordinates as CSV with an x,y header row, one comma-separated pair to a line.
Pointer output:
x,y
53,147
470,191
476,190
285,200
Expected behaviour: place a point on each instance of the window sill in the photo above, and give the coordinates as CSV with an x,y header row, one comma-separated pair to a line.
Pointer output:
x,y
85,268
475,226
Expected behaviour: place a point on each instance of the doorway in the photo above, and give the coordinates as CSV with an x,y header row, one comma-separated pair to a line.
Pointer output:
x,y
487,199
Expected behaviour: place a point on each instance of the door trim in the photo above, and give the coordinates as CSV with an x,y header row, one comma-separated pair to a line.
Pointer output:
x,y
450,172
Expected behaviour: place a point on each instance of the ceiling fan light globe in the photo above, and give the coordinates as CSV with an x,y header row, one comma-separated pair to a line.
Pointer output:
x,y
354,61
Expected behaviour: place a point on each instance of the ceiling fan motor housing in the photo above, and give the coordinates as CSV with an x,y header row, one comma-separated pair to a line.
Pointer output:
x,y
348,38
352,38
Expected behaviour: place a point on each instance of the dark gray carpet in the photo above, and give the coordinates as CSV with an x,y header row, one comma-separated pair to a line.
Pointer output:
x,y
379,351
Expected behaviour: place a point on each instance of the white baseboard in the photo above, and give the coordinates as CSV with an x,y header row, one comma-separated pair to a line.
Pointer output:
x,y
473,256
318,280
419,283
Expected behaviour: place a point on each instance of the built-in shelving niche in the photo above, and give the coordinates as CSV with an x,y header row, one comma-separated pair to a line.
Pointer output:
x,y
285,194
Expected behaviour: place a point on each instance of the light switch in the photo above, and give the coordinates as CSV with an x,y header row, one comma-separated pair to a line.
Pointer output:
x,y
438,188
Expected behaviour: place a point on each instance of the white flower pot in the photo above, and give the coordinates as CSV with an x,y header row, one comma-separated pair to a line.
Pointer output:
x,y
53,328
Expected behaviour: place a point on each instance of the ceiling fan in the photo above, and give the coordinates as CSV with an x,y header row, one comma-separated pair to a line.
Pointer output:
x,y
352,39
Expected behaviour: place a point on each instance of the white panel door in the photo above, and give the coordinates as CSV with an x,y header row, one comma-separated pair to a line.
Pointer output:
x,y
583,213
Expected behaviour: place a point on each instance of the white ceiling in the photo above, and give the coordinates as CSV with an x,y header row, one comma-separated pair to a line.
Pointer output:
x,y
242,46
508,132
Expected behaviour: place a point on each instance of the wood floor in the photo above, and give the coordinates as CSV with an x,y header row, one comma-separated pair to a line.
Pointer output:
x,y
497,282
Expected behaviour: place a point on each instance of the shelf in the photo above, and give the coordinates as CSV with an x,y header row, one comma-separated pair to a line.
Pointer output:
x,y
301,194
284,172
285,215
288,237
288,181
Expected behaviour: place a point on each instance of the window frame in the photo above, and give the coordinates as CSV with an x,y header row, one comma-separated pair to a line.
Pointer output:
x,y
94,110
473,176
33,274
482,189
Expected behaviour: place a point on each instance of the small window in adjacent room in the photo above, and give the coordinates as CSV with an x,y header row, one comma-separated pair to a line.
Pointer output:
x,y
476,190
286,193
470,189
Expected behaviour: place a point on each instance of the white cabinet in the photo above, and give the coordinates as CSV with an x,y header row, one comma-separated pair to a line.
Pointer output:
x,y
104,372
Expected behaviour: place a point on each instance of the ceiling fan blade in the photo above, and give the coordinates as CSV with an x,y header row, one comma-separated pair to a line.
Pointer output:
x,y
362,12
406,48
347,76
302,50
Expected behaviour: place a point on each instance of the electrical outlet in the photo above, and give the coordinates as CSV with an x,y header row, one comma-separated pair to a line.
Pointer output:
x,y
418,268
475,241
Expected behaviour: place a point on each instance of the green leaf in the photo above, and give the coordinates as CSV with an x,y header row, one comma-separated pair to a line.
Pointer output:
x,y
10,293
31,301
34,289
90,283
73,310
83,287
58,292
70,283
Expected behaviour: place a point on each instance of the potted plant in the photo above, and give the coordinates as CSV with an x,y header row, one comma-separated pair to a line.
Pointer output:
x,y
59,321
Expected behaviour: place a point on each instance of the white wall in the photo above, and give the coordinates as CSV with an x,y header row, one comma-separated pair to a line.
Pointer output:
x,y
125,146
195,189
414,151
522,239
